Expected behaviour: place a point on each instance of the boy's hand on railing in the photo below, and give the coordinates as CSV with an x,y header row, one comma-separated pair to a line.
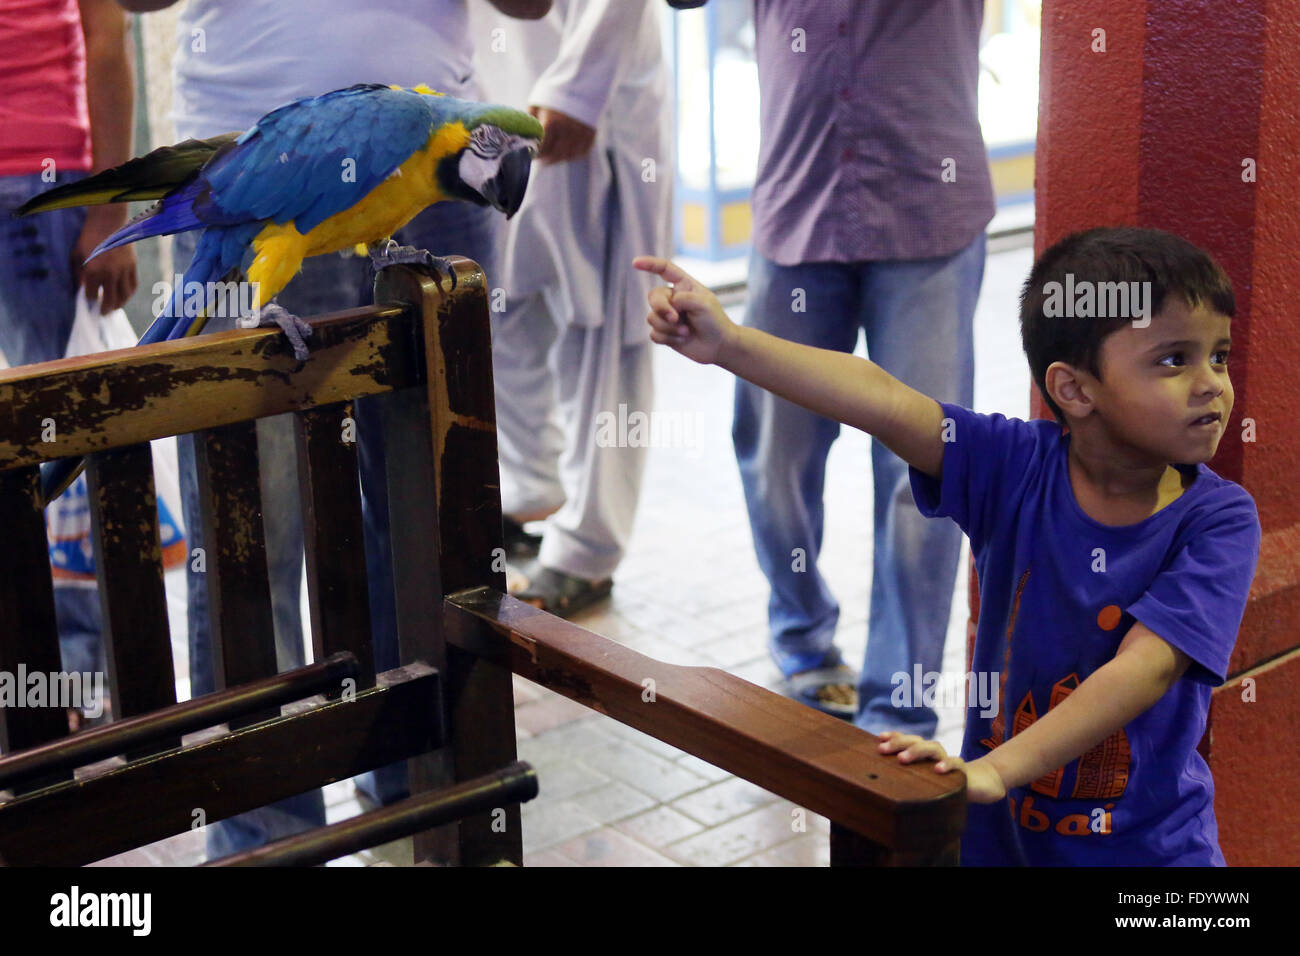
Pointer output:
x,y
983,782
687,317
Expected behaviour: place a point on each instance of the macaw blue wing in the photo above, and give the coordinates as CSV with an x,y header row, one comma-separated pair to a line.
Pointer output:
x,y
303,162
314,158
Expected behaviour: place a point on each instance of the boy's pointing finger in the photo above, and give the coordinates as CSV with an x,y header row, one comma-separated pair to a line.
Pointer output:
x,y
670,271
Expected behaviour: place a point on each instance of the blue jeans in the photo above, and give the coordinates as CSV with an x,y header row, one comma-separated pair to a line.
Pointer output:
x,y
326,284
917,316
38,298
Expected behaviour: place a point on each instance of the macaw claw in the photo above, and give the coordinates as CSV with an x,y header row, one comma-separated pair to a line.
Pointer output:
x,y
391,254
295,328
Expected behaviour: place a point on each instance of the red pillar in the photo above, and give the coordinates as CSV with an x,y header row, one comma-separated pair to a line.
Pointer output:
x,y
1155,131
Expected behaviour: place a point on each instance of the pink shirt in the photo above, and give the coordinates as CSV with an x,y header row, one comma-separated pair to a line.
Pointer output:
x,y
43,114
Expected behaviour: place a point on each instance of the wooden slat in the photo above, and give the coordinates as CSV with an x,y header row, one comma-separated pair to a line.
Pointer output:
x,y
820,763
129,806
128,563
197,713
458,405
333,538
28,630
234,542
501,788
126,397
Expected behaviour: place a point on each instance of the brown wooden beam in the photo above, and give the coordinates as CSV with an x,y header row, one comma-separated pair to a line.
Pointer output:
x,y
819,762
28,632
128,565
333,538
94,817
198,713
234,558
171,388
491,793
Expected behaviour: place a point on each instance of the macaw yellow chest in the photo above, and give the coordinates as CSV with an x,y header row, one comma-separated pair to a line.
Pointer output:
x,y
384,210
279,249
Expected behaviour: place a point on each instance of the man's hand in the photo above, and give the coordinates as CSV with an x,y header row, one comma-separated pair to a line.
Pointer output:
x,y
687,317
113,273
563,137
983,783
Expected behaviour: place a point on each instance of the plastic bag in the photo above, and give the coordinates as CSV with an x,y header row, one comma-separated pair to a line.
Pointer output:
x,y
68,516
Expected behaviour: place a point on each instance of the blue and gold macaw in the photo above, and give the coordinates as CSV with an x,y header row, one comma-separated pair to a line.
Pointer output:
x,y
319,175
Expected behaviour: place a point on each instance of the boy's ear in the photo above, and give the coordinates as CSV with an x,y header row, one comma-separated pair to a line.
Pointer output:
x,y
1070,388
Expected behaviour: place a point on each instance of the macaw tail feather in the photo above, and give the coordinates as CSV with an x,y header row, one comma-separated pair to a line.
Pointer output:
x,y
173,214
217,259
147,177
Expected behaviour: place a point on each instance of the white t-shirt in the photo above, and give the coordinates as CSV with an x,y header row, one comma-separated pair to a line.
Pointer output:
x,y
237,60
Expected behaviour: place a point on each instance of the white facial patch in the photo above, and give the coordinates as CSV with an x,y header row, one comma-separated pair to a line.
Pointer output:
x,y
482,157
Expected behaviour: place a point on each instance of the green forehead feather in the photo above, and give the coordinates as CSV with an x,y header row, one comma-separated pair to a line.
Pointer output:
x,y
510,121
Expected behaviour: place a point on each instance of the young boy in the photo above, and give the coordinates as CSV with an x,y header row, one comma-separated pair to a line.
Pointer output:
x,y
1113,565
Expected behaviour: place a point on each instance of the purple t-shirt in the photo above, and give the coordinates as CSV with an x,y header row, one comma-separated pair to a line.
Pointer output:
x,y
1058,593
871,146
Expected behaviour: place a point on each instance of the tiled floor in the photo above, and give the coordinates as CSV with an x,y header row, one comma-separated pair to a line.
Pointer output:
x,y
690,592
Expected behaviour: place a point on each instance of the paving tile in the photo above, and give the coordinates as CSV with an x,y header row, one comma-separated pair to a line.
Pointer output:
x,y
660,826
560,781
645,741
702,767
524,689
737,839
644,771
343,809
614,801
183,849
723,801
810,849
547,823
609,847
340,792
548,712
566,742
397,853
735,650
742,617
547,858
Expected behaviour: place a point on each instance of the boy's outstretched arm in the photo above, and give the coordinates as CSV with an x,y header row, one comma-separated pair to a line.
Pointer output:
x,y
838,385
1142,670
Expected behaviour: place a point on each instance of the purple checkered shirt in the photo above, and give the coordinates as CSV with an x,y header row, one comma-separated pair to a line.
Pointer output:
x,y
858,129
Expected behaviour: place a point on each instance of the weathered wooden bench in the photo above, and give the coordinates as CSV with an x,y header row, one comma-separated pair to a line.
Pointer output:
x,y
448,709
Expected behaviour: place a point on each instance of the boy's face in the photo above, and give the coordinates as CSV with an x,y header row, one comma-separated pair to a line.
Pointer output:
x,y
1159,382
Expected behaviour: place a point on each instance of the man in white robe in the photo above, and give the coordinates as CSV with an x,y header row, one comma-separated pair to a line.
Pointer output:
x,y
570,340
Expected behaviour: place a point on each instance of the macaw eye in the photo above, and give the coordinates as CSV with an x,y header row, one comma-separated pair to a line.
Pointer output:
x,y
488,142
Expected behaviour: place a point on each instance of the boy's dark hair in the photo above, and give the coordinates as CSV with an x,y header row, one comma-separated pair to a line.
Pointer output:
x,y
1119,254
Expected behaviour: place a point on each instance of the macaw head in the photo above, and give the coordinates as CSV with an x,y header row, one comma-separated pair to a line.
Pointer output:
x,y
493,167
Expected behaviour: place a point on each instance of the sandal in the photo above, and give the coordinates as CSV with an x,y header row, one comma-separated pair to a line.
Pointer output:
x,y
831,687
559,593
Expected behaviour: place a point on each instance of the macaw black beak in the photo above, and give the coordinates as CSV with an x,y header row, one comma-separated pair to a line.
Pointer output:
x,y
505,190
